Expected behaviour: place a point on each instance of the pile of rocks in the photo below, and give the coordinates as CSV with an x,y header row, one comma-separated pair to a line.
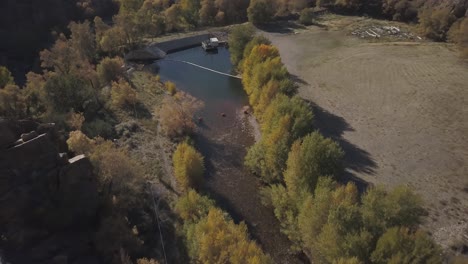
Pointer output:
x,y
376,31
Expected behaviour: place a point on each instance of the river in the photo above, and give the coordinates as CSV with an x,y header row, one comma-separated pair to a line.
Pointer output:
x,y
223,137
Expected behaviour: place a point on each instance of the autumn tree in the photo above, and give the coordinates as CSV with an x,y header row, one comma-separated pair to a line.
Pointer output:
x,y
189,168
80,143
217,239
12,102
110,69
192,207
207,12
83,40
5,77
231,11
122,94
190,10
174,18
176,114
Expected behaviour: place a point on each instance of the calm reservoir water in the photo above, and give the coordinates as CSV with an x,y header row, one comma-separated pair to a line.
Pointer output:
x,y
223,141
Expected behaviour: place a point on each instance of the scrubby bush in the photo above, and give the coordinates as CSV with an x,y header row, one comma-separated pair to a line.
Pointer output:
x,y
189,168
170,87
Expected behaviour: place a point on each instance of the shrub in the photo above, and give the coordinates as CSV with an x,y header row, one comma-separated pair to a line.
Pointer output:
x,y
80,143
188,167
110,69
170,87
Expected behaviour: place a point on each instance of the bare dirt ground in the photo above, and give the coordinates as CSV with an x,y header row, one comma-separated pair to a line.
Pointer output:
x,y
399,110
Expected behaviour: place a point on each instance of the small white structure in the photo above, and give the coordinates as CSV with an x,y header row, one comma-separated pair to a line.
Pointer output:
x,y
214,42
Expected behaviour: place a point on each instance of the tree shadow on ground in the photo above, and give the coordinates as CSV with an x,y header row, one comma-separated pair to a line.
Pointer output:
x,y
283,27
298,79
140,111
356,160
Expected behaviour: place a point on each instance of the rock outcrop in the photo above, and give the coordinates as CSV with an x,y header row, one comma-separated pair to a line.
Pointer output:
x,y
48,203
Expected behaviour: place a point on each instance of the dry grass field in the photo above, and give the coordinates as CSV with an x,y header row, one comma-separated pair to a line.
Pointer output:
x,y
399,109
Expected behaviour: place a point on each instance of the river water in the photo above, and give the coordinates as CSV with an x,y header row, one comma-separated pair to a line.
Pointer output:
x,y
223,137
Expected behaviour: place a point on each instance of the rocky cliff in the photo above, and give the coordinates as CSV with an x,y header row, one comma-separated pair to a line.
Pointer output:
x,y
48,202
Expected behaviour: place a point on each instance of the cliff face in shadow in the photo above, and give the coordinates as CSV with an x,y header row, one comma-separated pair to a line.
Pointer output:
x,y
26,26
48,202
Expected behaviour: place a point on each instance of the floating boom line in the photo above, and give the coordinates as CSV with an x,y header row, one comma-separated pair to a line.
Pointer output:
x,y
205,68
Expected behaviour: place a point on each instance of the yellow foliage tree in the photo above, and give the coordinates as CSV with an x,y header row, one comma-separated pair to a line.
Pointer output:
x,y
188,167
216,239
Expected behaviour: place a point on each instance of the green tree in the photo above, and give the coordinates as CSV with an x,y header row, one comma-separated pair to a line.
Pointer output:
x,y
239,37
260,12
382,209
189,168
65,92
400,245
5,77
310,158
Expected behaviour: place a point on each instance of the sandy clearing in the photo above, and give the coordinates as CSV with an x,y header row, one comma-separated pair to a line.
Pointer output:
x,y
400,111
